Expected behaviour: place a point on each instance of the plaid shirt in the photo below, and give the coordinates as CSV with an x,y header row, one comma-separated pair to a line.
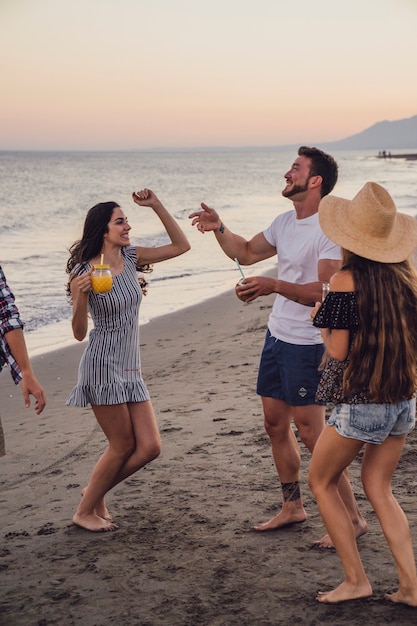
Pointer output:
x,y
9,320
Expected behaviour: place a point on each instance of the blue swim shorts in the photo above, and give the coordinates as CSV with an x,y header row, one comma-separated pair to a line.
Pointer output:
x,y
373,423
289,372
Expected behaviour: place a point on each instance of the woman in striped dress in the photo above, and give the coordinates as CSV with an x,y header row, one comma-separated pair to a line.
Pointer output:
x,y
109,377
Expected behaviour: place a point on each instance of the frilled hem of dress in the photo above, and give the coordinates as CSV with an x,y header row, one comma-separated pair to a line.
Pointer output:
x,y
106,395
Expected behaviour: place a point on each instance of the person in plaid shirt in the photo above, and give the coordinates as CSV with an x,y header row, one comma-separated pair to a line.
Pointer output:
x,y
13,352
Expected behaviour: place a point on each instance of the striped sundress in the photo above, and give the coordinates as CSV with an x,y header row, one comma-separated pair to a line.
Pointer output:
x,y
109,370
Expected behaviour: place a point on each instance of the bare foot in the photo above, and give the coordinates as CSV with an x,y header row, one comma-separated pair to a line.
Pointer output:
x,y
410,599
344,592
284,518
101,509
325,543
94,523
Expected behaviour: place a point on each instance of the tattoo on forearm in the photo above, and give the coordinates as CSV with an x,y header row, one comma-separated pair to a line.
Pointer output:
x,y
291,491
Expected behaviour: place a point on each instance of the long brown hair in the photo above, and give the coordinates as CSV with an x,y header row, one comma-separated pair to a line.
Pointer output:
x,y
383,356
96,224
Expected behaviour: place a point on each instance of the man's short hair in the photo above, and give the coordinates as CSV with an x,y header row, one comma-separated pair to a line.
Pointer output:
x,y
323,165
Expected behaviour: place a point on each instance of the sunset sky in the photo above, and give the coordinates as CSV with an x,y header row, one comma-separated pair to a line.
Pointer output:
x,y
123,74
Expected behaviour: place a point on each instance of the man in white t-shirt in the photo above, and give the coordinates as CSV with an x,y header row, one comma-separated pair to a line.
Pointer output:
x,y
288,372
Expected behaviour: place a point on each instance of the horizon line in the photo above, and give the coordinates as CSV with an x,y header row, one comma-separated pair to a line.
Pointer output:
x,y
193,148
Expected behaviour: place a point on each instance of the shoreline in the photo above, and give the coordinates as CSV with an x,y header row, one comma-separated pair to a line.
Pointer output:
x,y
185,553
58,335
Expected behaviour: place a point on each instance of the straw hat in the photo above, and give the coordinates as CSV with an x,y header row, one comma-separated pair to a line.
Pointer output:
x,y
369,225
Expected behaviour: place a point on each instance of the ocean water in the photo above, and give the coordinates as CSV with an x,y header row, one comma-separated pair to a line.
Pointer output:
x,y
44,198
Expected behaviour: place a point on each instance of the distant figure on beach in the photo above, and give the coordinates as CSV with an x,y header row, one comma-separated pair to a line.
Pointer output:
x,y
368,324
288,372
109,377
13,352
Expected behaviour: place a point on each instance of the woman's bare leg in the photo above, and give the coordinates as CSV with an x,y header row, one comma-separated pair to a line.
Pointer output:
x,y
331,456
101,509
147,446
147,440
379,463
115,422
358,521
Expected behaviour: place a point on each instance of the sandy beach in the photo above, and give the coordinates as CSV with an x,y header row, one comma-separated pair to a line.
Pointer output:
x,y
185,553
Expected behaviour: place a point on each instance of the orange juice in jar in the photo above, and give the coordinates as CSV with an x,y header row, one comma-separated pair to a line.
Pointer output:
x,y
101,278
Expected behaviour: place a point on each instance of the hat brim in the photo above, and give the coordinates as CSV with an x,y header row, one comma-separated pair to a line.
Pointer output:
x,y
397,247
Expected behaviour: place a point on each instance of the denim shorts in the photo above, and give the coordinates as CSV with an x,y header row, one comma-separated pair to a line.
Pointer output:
x,y
373,423
289,372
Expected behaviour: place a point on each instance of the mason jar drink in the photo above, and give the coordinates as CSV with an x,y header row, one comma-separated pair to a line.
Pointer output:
x,y
101,278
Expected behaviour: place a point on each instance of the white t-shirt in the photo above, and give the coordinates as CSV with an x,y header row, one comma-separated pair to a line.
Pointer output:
x,y
300,244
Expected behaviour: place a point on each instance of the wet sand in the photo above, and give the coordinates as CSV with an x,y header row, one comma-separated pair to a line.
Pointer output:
x,y
185,553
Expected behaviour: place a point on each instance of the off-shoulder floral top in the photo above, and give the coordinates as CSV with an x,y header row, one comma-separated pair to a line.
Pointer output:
x,y
338,311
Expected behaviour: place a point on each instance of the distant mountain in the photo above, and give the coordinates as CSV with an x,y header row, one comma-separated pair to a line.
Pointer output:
x,y
396,135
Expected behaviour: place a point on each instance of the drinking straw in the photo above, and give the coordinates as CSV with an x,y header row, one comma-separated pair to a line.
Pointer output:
x,y
239,268
102,259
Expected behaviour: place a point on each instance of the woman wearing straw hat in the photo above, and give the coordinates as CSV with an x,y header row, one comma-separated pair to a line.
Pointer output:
x,y
368,326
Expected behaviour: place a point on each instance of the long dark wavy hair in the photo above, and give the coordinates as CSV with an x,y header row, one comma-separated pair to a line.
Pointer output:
x,y
96,225
383,356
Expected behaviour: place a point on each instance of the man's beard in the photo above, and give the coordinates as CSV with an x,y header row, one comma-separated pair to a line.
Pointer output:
x,y
294,190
